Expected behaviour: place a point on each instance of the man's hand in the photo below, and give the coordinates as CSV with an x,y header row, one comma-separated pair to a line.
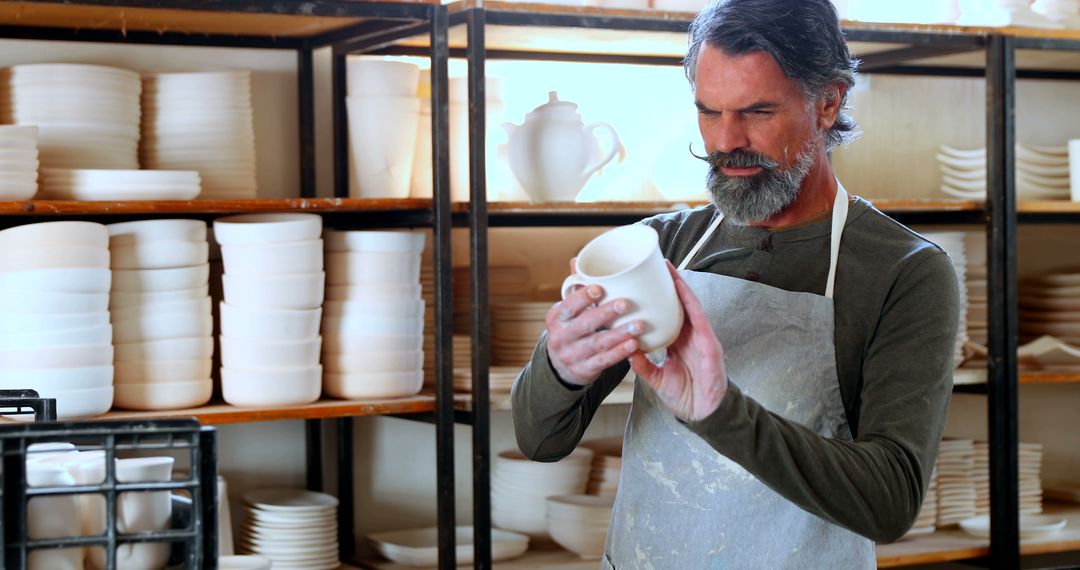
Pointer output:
x,y
577,347
692,381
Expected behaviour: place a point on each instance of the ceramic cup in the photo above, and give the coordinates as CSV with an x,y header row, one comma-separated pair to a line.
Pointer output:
x,y
627,263
1074,169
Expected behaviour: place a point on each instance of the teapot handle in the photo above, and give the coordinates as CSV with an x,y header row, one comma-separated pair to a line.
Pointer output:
x,y
617,148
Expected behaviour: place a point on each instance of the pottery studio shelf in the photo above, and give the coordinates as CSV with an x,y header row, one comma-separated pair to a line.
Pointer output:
x,y
201,207
622,395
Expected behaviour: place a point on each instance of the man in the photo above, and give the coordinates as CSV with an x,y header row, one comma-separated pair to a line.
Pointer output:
x,y
796,419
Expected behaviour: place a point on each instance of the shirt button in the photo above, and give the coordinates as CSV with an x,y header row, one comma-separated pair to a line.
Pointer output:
x,y
766,244
752,276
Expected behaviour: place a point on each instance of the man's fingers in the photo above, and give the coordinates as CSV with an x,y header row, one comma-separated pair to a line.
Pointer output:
x,y
596,364
586,347
575,303
645,369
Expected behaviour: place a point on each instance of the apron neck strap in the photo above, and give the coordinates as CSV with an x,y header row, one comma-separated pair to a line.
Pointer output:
x,y
839,218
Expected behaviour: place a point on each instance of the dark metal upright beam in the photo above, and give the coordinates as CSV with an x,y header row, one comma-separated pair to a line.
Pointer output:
x,y
481,316
444,310
305,72
314,455
1001,270
341,125
346,503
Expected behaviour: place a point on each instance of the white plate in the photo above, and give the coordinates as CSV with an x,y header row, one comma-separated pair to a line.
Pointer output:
x,y
419,547
290,500
1031,526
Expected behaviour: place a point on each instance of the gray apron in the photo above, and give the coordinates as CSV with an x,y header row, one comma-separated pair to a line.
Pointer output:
x,y
681,504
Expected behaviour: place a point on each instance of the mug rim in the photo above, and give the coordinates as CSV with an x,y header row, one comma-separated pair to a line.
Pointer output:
x,y
637,228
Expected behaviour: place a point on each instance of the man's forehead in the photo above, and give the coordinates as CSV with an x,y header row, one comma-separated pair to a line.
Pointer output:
x,y
748,77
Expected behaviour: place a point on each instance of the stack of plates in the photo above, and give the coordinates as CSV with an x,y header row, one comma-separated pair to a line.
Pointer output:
x,y
374,328
87,115
606,465
162,323
273,294
1050,305
1042,172
515,328
954,245
980,473
500,378
83,184
505,283
976,280
1049,353
520,488
55,335
202,121
1065,12
956,485
1030,477
419,547
924,522
18,162
294,528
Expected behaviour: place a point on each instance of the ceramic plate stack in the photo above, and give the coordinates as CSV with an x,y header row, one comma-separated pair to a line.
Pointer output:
x,y
18,162
296,529
515,328
963,172
954,244
606,465
579,523
505,283
956,485
1050,305
980,473
1064,12
83,184
202,121
520,488
419,547
162,323
427,291
1042,172
924,522
273,294
87,115
55,335
374,327
1030,477
500,378
975,280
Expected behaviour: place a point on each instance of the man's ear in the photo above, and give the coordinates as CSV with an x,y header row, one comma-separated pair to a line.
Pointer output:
x,y
828,107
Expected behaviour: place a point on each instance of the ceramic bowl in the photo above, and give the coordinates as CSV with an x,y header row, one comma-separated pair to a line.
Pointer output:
x,y
269,324
61,280
73,404
47,234
336,342
141,231
259,353
384,241
156,280
362,385
128,300
273,258
35,323
267,228
373,292
99,335
62,379
196,306
373,326
300,291
361,267
160,254
163,326
255,387
28,258
162,371
383,308
164,395
373,361
56,357
194,348
33,303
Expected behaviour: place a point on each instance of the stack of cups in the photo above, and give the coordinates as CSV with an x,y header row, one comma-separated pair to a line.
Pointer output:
x,y
55,335
374,321
161,312
18,162
273,294
384,111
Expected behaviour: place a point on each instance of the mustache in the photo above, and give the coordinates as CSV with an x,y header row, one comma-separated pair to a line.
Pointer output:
x,y
736,159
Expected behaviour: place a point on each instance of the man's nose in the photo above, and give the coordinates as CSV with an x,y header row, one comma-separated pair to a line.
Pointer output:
x,y
729,134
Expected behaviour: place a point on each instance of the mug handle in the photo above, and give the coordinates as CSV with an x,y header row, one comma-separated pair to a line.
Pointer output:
x,y
617,148
569,283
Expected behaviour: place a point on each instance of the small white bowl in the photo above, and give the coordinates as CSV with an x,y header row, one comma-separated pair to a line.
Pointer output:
x,y
101,335
267,228
161,327
153,230
63,379
373,326
74,404
374,292
28,258
362,385
273,258
389,241
87,234
160,254
164,395
300,291
162,371
61,280
34,323
255,387
49,358
252,353
196,306
361,267
148,280
127,300
32,303
340,343
194,348
269,324
385,308
372,361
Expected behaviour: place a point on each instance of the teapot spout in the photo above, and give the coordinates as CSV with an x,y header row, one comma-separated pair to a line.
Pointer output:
x,y
510,128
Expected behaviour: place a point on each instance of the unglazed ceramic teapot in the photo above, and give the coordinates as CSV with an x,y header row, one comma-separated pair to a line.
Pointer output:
x,y
553,153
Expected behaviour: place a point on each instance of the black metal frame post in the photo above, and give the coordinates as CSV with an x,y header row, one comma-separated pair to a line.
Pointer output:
x,y
346,502
305,72
313,453
1001,270
340,124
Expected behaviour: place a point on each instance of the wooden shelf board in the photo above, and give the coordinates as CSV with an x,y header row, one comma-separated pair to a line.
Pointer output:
x,y
136,207
1048,206
649,208
1049,377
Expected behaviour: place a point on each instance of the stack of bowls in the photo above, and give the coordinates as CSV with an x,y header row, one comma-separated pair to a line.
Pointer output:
x,y
384,112
18,162
273,295
520,488
87,115
606,465
55,335
579,523
161,312
292,527
374,323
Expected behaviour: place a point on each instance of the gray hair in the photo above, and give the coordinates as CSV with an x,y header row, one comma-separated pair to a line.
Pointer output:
x,y
803,36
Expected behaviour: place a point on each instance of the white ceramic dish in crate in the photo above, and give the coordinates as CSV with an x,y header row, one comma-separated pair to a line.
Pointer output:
x,y
419,547
136,512
300,291
161,254
56,357
385,241
269,324
368,385
163,395
194,348
87,234
261,353
162,371
60,280
255,387
273,258
267,228
125,233
157,280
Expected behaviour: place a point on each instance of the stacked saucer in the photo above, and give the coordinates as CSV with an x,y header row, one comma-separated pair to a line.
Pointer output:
x,y
87,115
976,283
1030,477
202,121
374,328
273,294
296,529
500,378
515,329
1041,172
161,312
955,479
18,162
1050,305
84,184
505,283
520,488
55,335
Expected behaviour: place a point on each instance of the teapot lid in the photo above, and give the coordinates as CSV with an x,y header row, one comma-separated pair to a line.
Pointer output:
x,y
554,103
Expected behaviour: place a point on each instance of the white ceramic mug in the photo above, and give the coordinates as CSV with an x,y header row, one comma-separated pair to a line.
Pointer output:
x,y
1074,169
627,263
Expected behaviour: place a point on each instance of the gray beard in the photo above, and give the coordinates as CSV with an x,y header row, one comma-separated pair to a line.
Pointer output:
x,y
752,199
